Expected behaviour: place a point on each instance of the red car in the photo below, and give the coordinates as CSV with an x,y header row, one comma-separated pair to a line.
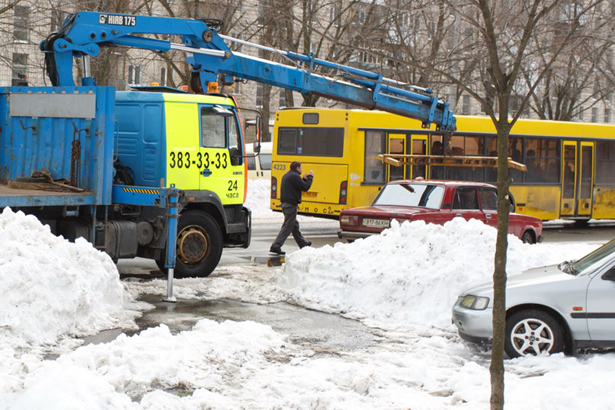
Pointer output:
x,y
435,202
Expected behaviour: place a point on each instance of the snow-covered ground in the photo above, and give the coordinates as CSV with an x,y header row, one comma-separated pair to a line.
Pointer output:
x,y
402,283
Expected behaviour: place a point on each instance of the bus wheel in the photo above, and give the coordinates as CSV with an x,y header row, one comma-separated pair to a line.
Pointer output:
x,y
199,245
528,237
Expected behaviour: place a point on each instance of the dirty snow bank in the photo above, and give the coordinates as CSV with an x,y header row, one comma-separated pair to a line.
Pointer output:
x,y
411,273
51,290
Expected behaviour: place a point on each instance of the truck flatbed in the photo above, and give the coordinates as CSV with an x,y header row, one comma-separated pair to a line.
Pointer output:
x,y
20,197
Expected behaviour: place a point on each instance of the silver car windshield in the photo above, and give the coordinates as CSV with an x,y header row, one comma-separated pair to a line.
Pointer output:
x,y
593,261
422,195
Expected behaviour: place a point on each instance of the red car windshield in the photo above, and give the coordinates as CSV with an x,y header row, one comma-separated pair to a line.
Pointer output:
x,y
421,195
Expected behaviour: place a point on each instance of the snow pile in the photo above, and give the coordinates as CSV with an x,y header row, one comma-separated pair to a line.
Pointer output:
x,y
51,287
215,357
411,273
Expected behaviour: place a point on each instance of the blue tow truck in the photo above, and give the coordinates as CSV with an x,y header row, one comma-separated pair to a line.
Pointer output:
x,y
158,174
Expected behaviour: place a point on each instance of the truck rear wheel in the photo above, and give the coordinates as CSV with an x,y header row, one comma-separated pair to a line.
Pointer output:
x,y
199,245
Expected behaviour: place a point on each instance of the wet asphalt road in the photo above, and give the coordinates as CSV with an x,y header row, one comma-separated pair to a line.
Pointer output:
x,y
319,330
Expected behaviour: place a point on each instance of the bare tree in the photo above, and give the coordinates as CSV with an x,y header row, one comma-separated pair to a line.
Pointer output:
x,y
504,50
548,56
578,79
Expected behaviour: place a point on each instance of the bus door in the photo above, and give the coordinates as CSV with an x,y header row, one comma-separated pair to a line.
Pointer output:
x,y
419,147
396,145
577,178
586,179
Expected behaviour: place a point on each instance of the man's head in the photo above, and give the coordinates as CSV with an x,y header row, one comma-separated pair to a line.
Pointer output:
x,y
295,166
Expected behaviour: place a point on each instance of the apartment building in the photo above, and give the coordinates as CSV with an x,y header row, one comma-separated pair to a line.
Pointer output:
x,y
378,36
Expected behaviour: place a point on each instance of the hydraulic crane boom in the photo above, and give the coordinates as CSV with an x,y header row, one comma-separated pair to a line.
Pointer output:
x,y
83,33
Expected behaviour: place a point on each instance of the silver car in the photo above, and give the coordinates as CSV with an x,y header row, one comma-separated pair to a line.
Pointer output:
x,y
550,309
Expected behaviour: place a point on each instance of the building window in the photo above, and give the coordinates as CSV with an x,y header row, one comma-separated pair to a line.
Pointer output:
x,y
334,14
264,12
594,114
282,103
21,22
20,69
465,109
581,114
134,74
57,18
259,95
607,115
163,76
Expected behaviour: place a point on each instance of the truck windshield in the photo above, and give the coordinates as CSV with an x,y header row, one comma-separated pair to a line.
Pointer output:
x,y
422,195
593,261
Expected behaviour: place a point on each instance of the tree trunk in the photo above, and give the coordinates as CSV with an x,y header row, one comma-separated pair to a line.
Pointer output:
x,y
499,274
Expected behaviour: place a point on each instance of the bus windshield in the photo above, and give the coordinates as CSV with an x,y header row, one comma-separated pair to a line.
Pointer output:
x,y
405,194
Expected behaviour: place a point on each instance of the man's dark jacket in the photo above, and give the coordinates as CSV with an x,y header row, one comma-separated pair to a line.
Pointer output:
x,y
292,185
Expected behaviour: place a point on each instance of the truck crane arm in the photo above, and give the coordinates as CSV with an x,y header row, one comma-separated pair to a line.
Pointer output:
x,y
209,55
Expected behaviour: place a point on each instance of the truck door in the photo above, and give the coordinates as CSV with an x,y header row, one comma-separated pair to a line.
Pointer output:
x,y
220,154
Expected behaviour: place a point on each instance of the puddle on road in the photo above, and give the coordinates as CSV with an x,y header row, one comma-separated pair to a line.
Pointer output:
x,y
312,329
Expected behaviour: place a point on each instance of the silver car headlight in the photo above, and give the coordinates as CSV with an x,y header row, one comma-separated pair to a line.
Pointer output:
x,y
474,302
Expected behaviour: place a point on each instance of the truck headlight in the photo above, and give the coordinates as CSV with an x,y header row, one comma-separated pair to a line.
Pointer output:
x,y
474,302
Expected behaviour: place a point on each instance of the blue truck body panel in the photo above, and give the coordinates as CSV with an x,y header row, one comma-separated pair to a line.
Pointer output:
x,y
141,136
66,130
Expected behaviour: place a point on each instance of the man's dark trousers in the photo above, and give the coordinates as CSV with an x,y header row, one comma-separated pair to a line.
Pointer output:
x,y
290,225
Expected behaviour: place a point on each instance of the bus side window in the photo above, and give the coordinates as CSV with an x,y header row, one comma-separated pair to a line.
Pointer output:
x,y
374,168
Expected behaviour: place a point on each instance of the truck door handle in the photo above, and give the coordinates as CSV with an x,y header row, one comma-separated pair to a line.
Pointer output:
x,y
488,216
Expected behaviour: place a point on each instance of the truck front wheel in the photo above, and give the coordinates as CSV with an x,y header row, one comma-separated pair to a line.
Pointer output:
x,y
199,245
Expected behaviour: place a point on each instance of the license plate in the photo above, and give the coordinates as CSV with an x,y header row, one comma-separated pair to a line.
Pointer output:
x,y
376,223
310,194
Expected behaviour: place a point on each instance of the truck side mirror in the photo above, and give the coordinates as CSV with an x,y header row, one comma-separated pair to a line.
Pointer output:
x,y
255,124
259,129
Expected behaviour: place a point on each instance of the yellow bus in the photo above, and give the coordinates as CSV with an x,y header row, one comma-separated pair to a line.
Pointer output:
x,y
570,166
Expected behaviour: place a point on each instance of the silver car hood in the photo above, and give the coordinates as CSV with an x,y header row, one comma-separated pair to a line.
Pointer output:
x,y
535,276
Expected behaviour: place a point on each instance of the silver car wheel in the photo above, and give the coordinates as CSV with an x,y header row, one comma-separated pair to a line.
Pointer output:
x,y
532,336
532,332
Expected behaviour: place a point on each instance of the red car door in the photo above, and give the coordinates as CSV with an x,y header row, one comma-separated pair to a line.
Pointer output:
x,y
489,204
466,205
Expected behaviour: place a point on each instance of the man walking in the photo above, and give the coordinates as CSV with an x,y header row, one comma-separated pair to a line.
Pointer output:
x,y
290,196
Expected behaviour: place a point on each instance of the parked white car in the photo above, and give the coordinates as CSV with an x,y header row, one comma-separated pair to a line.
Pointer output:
x,y
551,309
